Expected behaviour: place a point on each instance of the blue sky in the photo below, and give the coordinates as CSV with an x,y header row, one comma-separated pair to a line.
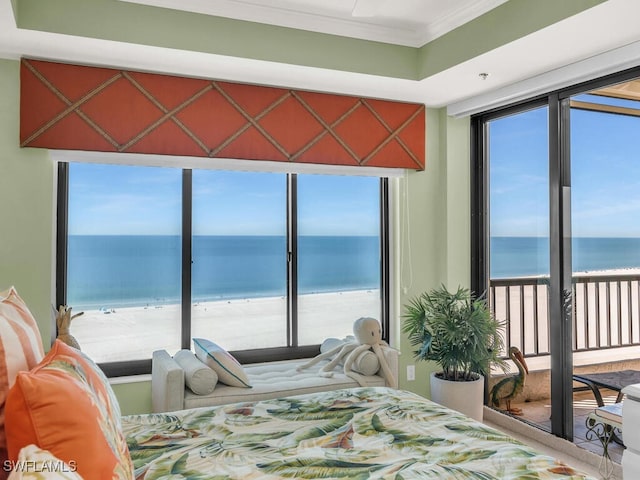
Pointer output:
x,y
605,174
605,189
118,200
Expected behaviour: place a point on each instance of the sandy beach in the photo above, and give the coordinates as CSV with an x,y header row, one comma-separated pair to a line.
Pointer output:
x,y
135,332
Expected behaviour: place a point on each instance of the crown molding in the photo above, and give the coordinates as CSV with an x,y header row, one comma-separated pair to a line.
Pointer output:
x,y
455,19
291,19
358,27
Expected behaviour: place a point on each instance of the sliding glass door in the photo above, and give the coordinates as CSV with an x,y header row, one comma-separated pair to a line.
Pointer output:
x,y
555,241
606,243
520,252
519,269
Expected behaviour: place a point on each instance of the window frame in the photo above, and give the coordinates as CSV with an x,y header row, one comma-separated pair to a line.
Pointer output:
x,y
139,367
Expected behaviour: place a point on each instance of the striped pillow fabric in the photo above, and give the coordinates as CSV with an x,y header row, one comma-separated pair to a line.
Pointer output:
x,y
20,348
66,405
229,370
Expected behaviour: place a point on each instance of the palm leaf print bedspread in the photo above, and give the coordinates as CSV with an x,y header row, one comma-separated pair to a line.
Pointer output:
x,y
360,433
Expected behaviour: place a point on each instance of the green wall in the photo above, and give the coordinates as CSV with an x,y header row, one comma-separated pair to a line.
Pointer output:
x,y
438,218
133,396
26,199
438,247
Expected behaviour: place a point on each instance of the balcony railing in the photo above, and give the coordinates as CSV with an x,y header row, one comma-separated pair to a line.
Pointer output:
x,y
606,312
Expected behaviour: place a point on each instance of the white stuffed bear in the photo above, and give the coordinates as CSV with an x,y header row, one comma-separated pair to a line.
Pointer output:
x,y
368,335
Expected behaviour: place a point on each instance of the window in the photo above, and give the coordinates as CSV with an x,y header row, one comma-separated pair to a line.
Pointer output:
x,y
123,267
239,275
265,264
337,246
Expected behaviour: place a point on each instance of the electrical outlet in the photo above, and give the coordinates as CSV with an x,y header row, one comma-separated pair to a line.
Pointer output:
x,y
411,373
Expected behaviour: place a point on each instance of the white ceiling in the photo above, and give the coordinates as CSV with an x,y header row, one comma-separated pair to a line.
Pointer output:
x,y
597,41
401,22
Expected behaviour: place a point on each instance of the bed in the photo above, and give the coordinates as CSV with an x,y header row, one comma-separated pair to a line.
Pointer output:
x,y
359,433
62,420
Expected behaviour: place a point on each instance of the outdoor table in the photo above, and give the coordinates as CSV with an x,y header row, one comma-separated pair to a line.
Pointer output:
x,y
615,381
602,423
612,380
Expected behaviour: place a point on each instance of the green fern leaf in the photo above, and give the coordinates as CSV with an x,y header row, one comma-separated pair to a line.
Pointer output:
x,y
315,469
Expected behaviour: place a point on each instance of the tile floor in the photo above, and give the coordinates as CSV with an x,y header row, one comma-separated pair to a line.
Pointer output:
x,y
538,413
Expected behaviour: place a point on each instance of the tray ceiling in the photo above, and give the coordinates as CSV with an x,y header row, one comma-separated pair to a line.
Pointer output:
x,y
220,39
401,22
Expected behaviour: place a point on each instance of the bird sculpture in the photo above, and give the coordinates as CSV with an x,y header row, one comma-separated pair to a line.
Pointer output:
x,y
63,322
510,386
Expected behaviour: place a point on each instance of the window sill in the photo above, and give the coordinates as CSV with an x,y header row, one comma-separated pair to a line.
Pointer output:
x,y
130,379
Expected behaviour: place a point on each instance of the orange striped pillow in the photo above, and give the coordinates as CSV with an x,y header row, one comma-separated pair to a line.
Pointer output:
x,y
65,405
20,347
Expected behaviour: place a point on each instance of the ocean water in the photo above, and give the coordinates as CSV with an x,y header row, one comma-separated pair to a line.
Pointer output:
x,y
525,256
110,270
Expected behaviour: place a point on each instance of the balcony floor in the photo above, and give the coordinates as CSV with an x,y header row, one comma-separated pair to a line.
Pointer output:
x,y
538,413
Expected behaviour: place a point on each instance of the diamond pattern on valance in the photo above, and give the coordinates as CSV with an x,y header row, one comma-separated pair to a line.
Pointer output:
x,y
74,107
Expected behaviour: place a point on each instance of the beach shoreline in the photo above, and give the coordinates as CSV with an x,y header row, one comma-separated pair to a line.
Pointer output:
x,y
127,333
585,273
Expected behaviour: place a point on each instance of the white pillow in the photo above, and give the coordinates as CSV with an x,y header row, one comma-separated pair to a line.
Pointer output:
x,y
228,369
200,378
34,463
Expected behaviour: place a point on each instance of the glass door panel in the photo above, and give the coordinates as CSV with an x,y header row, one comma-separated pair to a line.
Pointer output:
x,y
518,153
605,174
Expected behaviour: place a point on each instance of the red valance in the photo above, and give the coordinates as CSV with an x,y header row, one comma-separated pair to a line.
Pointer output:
x,y
74,107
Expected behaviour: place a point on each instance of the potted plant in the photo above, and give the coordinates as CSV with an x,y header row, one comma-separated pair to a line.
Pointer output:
x,y
457,331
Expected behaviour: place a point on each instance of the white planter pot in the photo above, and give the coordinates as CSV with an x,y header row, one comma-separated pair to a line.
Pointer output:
x,y
464,397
